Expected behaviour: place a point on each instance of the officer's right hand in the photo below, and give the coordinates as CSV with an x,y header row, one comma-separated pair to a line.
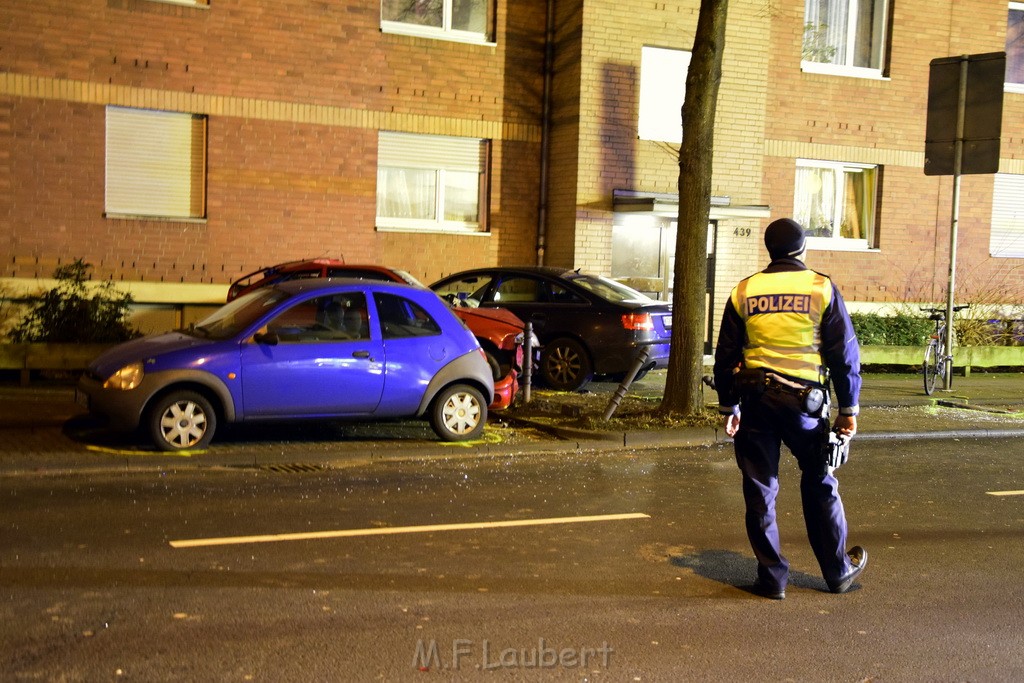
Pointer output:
x,y
732,424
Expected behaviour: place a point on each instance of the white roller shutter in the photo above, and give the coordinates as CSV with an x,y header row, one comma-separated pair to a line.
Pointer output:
x,y
155,163
405,150
1007,236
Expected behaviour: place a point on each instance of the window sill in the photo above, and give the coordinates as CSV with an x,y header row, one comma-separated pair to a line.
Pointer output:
x,y
1013,87
844,71
162,219
198,4
838,244
467,37
434,230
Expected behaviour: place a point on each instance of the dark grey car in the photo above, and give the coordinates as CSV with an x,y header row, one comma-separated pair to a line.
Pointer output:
x,y
587,325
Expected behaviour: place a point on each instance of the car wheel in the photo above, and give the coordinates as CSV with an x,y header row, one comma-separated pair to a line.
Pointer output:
x,y
182,420
565,365
459,413
495,366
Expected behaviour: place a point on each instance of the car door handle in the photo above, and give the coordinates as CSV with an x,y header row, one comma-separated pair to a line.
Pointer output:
x,y
360,354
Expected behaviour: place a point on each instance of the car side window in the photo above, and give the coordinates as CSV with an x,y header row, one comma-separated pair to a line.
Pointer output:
x,y
338,317
400,317
561,295
518,290
468,291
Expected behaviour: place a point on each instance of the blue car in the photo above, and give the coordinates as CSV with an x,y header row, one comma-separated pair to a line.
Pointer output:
x,y
301,349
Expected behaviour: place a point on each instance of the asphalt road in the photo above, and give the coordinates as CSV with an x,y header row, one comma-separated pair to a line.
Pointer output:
x,y
196,573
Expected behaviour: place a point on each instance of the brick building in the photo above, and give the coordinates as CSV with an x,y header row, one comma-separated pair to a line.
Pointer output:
x,y
177,144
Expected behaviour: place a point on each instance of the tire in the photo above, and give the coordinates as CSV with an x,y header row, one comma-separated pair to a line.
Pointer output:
x,y
495,366
458,413
565,365
182,420
930,368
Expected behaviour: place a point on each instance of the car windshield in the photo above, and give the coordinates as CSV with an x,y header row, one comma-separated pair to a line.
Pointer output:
x,y
609,289
409,278
233,318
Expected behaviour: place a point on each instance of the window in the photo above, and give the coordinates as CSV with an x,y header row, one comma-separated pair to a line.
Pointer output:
x,y
155,164
400,318
431,182
462,20
1007,236
662,90
1015,47
845,36
332,318
836,203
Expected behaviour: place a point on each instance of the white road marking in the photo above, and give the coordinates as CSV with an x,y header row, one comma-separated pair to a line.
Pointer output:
x,y
346,533
1005,493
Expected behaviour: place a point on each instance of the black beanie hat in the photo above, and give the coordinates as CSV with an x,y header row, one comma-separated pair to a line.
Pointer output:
x,y
784,237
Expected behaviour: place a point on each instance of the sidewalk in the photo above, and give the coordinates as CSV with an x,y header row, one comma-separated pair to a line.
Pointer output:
x,y
893,406
34,435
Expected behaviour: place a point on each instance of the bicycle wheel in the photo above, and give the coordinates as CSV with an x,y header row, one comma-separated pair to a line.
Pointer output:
x,y
931,367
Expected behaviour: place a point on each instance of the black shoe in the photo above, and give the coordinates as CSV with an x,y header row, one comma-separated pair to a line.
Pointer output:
x,y
766,591
859,560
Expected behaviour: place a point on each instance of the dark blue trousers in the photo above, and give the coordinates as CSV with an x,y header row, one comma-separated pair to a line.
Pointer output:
x,y
766,422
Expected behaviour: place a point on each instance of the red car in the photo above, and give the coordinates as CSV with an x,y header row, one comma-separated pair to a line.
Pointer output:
x,y
499,332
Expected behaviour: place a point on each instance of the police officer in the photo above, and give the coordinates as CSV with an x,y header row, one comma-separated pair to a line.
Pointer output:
x,y
785,331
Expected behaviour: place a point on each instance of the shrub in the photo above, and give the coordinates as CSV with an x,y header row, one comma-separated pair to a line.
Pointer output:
x,y
900,329
903,329
71,313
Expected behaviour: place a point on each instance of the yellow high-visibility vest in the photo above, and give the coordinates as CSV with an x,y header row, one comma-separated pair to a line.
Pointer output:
x,y
782,312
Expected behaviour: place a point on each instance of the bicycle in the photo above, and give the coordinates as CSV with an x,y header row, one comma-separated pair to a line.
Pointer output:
x,y
937,363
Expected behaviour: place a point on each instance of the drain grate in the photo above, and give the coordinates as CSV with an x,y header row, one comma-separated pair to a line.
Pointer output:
x,y
293,468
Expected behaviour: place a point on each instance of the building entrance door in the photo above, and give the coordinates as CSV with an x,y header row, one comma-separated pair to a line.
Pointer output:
x,y
644,257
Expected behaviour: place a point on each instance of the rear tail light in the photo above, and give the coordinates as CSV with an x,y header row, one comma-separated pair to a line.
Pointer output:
x,y
638,322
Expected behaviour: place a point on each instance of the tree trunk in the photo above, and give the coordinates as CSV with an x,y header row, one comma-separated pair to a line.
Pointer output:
x,y
689,304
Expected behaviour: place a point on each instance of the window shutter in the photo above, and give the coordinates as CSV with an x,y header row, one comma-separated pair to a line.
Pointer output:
x,y
402,150
156,163
1007,236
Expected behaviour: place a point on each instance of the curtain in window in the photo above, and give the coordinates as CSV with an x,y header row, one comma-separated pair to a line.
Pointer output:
x,y
814,204
825,30
1015,44
418,12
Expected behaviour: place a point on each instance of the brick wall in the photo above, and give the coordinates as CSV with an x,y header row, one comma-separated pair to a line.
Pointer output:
x,y
295,93
883,122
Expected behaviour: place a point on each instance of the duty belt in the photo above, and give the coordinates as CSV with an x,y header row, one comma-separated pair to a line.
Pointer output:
x,y
752,382
812,399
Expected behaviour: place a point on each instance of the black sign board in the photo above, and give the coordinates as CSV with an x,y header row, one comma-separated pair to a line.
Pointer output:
x,y
982,113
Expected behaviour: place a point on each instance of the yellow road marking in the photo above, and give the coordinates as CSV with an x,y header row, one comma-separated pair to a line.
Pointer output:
x,y
347,533
115,451
1005,493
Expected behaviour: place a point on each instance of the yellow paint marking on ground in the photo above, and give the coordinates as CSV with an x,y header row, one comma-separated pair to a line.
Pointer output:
x,y
489,436
1005,493
347,533
150,454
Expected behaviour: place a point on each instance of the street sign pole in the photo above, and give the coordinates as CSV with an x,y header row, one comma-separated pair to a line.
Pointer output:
x,y
965,110
958,160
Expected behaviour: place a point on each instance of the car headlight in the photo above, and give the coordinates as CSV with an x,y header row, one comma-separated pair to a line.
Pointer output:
x,y
534,341
128,377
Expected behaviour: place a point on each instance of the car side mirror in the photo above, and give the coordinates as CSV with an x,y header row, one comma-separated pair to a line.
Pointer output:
x,y
268,338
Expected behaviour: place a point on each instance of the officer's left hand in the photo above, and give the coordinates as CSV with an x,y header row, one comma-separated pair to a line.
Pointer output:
x,y
845,424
